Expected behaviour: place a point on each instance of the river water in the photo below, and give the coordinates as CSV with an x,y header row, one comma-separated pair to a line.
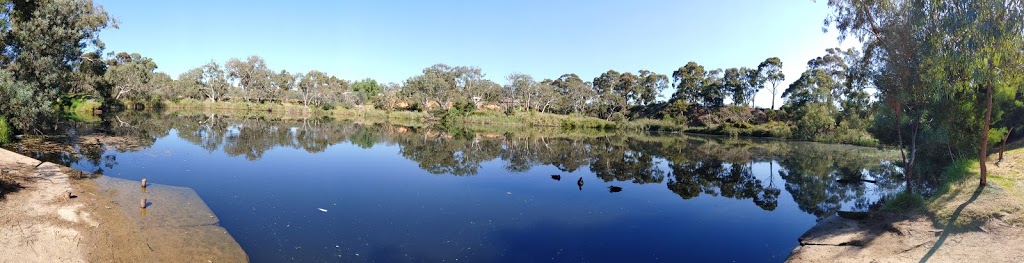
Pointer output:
x,y
322,190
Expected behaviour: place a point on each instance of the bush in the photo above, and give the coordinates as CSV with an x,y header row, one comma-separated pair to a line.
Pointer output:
x,y
813,121
904,202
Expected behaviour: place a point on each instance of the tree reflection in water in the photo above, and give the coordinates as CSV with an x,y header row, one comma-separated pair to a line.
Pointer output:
x,y
693,165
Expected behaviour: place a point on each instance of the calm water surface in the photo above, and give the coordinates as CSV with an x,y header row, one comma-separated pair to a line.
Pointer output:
x,y
400,194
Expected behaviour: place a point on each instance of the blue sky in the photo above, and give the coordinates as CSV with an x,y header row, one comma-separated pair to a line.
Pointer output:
x,y
393,40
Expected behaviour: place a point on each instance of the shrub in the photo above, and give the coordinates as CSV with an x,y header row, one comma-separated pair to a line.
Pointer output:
x,y
904,202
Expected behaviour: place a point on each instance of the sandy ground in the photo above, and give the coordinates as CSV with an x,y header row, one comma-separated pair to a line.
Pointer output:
x,y
967,224
893,238
102,222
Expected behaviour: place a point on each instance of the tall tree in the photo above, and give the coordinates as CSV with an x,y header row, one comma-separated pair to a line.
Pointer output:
x,y
366,88
520,90
311,85
771,71
214,82
962,50
252,76
575,92
735,84
651,84
42,41
688,81
712,89
129,76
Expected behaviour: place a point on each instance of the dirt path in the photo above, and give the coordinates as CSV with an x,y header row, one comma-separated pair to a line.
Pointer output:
x,y
38,223
963,224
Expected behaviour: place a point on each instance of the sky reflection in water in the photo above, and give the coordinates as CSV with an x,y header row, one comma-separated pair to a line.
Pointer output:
x,y
399,194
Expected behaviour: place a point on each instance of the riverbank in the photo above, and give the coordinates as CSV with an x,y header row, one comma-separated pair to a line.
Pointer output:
x,y
514,120
100,220
959,223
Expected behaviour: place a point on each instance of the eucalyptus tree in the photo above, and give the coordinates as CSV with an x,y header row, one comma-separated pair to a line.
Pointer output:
x,y
282,83
129,76
771,71
966,51
574,91
214,82
389,96
814,98
252,75
366,88
627,91
607,100
711,91
161,87
734,82
42,41
547,95
311,85
445,85
752,84
89,73
519,90
190,84
688,79
650,85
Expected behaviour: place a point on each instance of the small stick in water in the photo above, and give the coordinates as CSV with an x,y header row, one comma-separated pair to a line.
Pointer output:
x,y
143,203
143,182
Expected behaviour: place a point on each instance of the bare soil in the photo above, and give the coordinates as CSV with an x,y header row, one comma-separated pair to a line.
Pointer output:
x,y
40,223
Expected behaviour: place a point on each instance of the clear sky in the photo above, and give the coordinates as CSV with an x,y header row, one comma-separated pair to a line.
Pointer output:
x,y
393,40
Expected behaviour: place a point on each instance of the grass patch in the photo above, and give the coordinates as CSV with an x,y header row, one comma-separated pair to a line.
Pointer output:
x,y
653,125
958,202
83,105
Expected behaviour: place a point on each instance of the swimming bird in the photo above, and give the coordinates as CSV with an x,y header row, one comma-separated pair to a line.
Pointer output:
x,y
614,189
580,182
556,177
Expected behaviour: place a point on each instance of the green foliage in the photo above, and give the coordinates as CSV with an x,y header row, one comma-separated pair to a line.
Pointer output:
x,y
6,132
42,43
22,104
368,88
129,77
814,120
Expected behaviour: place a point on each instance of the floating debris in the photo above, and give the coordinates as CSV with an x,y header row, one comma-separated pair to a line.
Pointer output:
x,y
322,210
